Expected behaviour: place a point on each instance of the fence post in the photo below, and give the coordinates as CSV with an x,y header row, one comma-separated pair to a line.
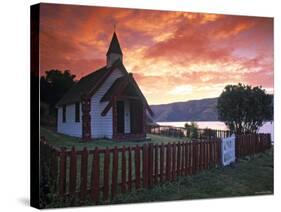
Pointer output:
x,y
162,148
217,157
189,152
207,154
124,168
240,145
257,143
187,161
211,153
179,159
114,172
214,152
264,142
182,159
174,162
254,143
239,141
137,166
268,140
145,165
168,162
237,146
156,164
150,165
201,160
84,168
130,168
106,175
197,156
248,144
73,171
62,178
245,146
219,152
203,156
54,168
96,176
194,154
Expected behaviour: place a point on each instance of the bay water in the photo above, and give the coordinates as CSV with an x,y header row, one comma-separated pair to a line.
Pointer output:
x,y
218,125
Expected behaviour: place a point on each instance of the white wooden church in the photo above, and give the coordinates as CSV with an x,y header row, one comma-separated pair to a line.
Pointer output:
x,y
107,103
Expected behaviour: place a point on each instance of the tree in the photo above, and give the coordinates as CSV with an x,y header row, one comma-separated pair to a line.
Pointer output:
x,y
244,108
191,130
54,85
208,133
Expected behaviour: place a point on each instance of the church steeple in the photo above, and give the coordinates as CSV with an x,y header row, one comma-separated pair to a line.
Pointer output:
x,y
114,51
114,46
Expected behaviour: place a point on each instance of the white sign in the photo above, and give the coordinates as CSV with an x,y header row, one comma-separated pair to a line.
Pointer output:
x,y
228,150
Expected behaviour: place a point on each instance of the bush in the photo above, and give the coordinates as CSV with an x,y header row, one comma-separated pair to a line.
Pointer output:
x,y
47,119
191,130
244,108
48,175
208,133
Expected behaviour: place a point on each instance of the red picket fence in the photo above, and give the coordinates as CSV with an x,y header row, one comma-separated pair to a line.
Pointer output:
x,y
251,144
100,174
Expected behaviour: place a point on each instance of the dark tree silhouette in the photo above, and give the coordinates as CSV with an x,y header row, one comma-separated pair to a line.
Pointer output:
x,y
54,85
244,108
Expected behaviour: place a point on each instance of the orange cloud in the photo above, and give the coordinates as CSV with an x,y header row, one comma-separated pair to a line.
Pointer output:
x,y
183,55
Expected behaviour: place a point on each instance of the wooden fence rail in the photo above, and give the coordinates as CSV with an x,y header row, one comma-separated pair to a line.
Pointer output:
x,y
100,174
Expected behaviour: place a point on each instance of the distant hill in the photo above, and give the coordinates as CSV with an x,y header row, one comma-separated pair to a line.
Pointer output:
x,y
194,110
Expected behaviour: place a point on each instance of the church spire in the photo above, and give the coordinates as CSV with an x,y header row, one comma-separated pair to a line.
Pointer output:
x,y
114,51
114,46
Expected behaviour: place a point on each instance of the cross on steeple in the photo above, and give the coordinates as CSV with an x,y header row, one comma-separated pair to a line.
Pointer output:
x,y
114,27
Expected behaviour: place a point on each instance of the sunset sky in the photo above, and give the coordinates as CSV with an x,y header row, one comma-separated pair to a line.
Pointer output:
x,y
174,56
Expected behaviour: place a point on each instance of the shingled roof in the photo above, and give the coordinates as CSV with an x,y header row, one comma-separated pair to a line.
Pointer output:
x,y
114,46
83,86
87,84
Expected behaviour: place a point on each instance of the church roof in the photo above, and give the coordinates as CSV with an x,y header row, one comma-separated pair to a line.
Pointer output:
x,y
82,87
114,46
88,83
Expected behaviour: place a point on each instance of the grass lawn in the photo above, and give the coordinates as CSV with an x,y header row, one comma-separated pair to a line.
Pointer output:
x,y
249,176
60,140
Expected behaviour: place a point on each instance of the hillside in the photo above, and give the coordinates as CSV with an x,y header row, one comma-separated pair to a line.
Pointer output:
x,y
194,110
